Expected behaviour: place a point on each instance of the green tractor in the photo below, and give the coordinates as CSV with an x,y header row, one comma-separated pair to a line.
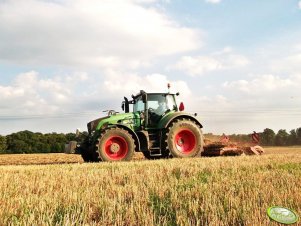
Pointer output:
x,y
157,127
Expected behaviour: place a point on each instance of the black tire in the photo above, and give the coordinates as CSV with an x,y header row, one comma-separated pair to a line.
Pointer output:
x,y
87,157
184,139
115,144
88,152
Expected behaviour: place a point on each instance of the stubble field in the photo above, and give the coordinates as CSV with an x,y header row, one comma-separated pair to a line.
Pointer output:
x,y
199,191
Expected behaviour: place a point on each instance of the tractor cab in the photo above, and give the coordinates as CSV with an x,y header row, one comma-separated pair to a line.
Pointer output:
x,y
151,106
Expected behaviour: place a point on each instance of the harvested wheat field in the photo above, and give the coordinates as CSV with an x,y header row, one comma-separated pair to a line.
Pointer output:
x,y
42,159
283,150
199,191
60,158
34,159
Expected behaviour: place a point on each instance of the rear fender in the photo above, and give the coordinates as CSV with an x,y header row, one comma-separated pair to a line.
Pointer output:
x,y
166,120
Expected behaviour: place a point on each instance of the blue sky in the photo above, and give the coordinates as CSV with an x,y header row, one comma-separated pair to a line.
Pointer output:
x,y
236,63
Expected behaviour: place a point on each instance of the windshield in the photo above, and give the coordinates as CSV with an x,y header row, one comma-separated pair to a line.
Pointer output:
x,y
158,102
161,103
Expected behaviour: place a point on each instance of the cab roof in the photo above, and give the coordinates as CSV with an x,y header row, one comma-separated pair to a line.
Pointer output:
x,y
143,92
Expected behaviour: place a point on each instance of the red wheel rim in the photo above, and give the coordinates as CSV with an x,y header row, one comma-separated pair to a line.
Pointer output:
x,y
185,141
116,147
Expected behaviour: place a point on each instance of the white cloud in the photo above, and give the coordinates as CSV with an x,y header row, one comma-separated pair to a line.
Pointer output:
x,y
133,83
217,103
266,97
252,103
96,33
299,4
198,65
222,60
261,84
287,64
213,1
8,92
225,50
64,102
31,95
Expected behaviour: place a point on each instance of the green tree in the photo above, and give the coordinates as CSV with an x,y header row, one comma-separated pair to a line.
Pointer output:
x,y
298,134
3,144
29,142
281,138
241,138
56,148
70,137
19,146
268,137
292,139
25,142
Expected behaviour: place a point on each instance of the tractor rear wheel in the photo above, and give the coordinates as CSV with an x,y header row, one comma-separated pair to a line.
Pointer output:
x,y
116,144
184,139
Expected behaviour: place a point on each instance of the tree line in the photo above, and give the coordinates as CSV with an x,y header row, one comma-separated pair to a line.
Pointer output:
x,y
30,142
282,138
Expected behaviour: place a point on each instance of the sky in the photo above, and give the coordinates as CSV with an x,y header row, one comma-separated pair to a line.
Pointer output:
x,y
237,64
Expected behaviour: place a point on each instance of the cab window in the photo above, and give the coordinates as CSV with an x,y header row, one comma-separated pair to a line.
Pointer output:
x,y
139,105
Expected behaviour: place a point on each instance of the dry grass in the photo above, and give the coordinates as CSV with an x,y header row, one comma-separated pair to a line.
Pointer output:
x,y
42,159
199,191
283,150
33,159
59,158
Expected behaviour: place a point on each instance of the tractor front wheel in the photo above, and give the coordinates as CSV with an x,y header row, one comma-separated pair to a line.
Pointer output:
x,y
184,139
116,144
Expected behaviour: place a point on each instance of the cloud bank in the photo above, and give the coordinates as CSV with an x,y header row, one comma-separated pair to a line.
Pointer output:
x,y
108,33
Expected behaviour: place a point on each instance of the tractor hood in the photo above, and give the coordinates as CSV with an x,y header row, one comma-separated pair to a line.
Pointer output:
x,y
127,119
93,124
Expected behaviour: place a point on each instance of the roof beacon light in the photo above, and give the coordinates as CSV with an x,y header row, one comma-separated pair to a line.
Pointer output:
x,y
168,86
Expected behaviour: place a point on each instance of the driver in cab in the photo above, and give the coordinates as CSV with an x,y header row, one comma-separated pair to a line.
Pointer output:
x,y
162,107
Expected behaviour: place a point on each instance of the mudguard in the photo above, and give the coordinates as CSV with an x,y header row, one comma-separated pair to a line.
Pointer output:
x,y
132,132
168,118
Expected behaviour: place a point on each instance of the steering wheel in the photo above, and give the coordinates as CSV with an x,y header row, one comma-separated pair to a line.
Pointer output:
x,y
151,110
152,113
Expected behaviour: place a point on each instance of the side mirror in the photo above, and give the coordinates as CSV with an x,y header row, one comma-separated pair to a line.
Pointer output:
x,y
122,106
125,105
181,107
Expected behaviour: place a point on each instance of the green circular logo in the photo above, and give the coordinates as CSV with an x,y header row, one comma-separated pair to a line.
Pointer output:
x,y
282,215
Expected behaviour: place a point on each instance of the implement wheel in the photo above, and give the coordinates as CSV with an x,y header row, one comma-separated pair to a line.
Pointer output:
x,y
116,144
184,139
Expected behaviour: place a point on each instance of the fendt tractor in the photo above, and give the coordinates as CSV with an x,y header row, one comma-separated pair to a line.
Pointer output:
x,y
156,126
